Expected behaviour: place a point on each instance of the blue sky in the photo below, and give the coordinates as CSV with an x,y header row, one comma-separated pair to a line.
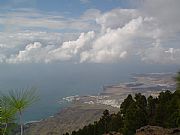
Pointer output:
x,y
73,6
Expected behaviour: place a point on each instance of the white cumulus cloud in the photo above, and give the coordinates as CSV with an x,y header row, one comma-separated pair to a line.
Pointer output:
x,y
119,34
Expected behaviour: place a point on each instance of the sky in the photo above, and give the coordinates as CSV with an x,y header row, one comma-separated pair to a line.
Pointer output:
x,y
89,31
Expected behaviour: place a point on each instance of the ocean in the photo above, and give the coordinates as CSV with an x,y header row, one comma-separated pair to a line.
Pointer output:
x,y
58,80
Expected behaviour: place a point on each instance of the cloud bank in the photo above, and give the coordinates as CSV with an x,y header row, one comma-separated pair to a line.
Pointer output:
x,y
150,33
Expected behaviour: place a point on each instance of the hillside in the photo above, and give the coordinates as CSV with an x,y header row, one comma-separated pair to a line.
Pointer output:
x,y
67,120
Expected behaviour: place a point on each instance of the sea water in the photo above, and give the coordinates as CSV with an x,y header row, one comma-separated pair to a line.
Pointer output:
x,y
58,80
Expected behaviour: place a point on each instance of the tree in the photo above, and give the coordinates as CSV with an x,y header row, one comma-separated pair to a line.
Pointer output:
x,y
7,114
106,119
95,128
173,114
125,104
116,122
162,111
177,78
141,101
151,109
1,123
20,100
129,120
174,105
135,115
141,104
74,133
66,133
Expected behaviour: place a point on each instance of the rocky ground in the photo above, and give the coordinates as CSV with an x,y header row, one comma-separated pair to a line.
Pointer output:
x,y
152,130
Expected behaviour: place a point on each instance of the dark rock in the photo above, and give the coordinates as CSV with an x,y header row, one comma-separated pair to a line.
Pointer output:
x,y
155,130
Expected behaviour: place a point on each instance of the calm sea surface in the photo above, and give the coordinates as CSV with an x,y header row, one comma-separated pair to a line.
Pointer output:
x,y
55,81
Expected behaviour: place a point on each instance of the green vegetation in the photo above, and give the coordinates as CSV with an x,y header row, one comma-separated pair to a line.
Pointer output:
x,y
139,111
12,105
7,115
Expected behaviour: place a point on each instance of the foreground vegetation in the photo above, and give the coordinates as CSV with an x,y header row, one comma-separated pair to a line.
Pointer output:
x,y
139,111
12,106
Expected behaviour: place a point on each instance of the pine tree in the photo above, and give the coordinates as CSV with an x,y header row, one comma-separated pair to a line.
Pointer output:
x,y
151,109
162,110
106,120
116,122
20,100
125,104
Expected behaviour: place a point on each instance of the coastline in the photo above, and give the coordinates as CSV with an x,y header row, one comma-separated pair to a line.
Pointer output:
x,y
113,95
83,110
